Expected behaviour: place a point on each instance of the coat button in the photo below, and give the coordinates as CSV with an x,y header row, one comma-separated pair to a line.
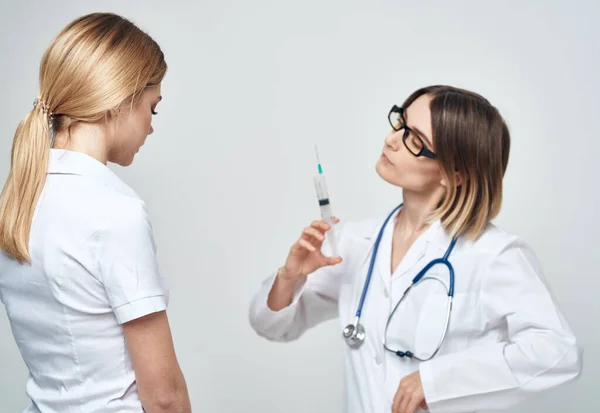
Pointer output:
x,y
378,360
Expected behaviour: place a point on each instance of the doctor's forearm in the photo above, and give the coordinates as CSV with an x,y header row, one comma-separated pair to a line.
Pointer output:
x,y
282,292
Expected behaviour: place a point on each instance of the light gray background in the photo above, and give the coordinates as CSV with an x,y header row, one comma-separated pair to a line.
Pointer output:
x,y
227,176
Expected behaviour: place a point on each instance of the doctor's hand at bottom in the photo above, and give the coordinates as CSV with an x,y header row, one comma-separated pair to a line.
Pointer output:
x,y
409,395
305,257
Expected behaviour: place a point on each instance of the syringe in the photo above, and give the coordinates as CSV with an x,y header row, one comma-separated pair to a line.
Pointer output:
x,y
325,204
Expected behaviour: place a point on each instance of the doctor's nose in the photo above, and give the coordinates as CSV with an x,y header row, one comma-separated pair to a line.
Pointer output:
x,y
393,140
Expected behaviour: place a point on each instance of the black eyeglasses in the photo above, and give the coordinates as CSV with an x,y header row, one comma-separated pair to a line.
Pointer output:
x,y
411,139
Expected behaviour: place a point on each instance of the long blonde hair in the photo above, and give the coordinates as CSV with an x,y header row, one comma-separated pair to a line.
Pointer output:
x,y
471,138
96,64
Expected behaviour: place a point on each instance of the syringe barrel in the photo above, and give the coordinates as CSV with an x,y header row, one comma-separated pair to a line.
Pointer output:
x,y
321,188
326,210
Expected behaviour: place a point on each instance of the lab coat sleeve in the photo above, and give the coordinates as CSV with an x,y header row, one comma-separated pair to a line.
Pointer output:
x,y
539,352
315,300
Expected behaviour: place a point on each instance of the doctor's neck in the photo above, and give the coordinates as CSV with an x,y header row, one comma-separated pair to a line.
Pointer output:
x,y
416,210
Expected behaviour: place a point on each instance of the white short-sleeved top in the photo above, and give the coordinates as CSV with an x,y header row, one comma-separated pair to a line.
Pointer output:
x,y
93,268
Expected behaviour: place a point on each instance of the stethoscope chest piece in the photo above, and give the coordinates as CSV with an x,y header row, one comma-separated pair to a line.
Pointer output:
x,y
354,334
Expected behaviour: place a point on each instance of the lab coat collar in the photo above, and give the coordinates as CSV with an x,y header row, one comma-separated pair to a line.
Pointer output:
x,y
434,240
441,240
76,163
436,235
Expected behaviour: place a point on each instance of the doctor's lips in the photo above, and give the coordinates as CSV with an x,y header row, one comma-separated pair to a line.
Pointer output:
x,y
385,159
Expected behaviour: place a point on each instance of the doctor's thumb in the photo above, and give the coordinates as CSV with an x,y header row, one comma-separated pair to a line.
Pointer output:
x,y
333,260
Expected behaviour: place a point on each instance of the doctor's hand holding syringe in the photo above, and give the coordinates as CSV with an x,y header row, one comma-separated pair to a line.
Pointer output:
x,y
306,255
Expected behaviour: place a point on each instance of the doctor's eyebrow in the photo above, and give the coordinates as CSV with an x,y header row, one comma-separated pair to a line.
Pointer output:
x,y
421,134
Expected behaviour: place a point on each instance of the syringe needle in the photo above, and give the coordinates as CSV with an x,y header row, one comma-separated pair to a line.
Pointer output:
x,y
318,160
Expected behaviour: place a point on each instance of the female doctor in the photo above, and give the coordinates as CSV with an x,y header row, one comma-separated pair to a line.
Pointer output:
x,y
439,309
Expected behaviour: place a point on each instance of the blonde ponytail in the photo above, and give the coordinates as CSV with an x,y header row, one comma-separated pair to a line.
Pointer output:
x,y
29,161
96,64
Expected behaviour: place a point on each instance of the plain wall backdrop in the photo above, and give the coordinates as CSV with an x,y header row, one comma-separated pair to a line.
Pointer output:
x,y
227,175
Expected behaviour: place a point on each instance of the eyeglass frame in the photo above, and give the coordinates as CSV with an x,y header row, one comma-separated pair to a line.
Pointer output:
x,y
424,150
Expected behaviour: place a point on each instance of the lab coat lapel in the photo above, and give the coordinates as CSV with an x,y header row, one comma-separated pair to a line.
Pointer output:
x,y
417,251
383,263
430,245
384,256
412,257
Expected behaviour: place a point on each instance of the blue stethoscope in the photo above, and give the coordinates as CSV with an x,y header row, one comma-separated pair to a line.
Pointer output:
x,y
354,333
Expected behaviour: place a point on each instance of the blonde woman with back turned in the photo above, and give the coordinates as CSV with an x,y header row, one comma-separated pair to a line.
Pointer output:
x,y
78,272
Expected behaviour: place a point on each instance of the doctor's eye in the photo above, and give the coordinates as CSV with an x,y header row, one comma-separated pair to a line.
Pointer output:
x,y
414,143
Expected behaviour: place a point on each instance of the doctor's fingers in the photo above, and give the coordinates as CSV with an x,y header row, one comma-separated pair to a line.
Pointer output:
x,y
311,233
401,402
397,399
410,405
303,243
322,225
321,260
407,398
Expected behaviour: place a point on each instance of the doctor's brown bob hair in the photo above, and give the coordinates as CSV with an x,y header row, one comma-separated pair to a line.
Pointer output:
x,y
472,139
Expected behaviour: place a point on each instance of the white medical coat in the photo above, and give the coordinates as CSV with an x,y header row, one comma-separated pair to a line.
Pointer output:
x,y
507,338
